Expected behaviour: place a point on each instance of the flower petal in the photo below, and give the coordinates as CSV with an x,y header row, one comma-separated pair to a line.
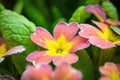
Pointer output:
x,y
104,78
79,43
67,30
113,22
6,77
3,48
101,25
108,69
14,50
40,35
37,72
1,59
39,57
101,43
97,11
65,72
70,58
87,30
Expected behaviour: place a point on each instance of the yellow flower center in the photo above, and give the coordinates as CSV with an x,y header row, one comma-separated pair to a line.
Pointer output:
x,y
115,76
109,35
60,47
45,78
2,50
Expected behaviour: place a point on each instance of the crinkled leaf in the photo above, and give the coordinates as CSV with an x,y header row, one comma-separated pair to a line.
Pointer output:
x,y
85,65
80,15
110,9
16,30
115,29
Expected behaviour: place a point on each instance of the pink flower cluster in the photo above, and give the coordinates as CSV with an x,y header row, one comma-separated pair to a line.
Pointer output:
x,y
61,47
66,42
44,72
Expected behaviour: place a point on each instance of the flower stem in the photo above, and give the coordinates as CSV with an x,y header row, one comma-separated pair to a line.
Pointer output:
x,y
106,55
95,54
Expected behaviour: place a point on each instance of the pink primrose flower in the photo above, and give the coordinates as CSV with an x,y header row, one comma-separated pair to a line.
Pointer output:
x,y
4,52
37,72
102,37
59,48
101,15
44,72
110,71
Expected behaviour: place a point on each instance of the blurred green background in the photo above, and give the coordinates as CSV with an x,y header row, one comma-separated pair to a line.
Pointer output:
x,y
47,13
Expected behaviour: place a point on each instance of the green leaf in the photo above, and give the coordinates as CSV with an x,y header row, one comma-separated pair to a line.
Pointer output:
x,y
18,6
16,30
91,2
1,7
80,15
88,2
110,9
8,68
85,65
56,12
34,14
115,29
